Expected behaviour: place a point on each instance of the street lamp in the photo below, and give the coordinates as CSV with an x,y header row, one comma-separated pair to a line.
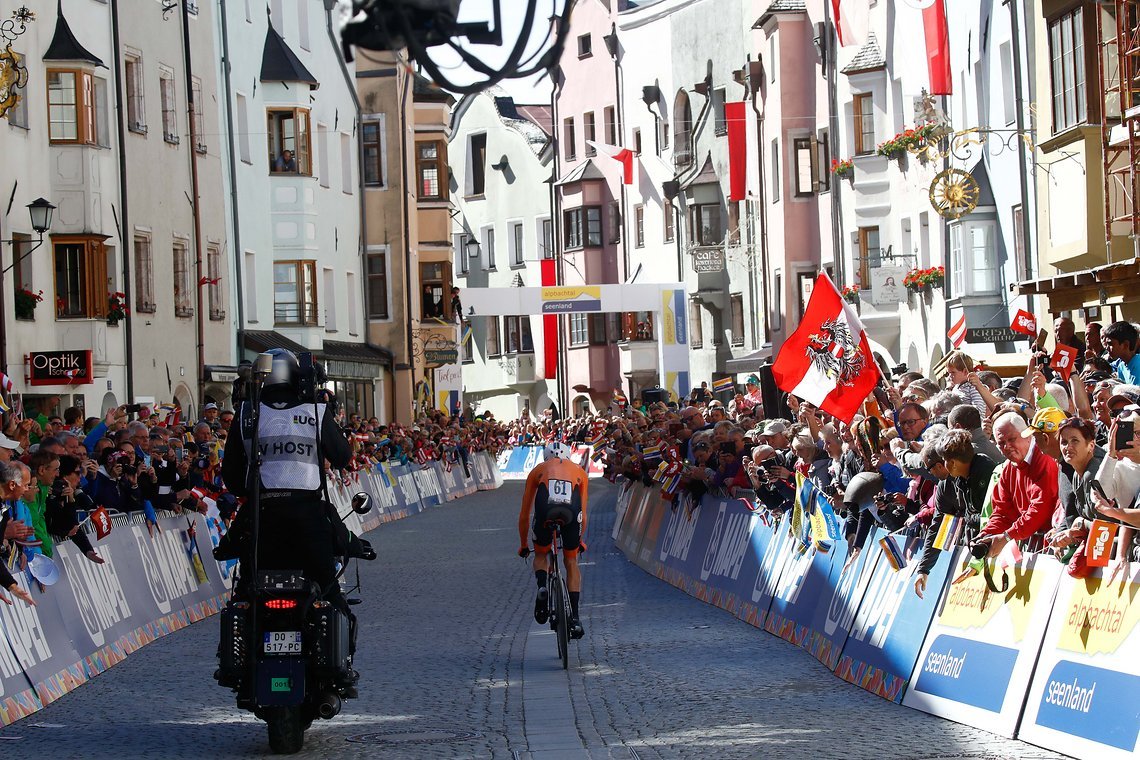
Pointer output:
x,y
40,211
472,246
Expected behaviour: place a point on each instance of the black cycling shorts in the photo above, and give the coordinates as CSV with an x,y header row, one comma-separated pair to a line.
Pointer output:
x,y
569,514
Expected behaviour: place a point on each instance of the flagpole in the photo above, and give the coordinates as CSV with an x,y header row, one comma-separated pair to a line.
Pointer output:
x,y
831,42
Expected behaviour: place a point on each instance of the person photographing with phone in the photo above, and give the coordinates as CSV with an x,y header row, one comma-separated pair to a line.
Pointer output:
x,y
64,501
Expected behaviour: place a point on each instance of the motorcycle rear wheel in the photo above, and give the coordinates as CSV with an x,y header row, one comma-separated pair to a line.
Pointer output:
x,y
286,730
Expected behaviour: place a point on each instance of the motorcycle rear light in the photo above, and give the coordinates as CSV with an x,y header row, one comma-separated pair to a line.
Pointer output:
x,y
281,604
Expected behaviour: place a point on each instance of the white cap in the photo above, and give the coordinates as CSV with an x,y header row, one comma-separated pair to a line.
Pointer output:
x,y
8,443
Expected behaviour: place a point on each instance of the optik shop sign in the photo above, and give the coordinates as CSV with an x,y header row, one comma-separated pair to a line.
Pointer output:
x,y
60,368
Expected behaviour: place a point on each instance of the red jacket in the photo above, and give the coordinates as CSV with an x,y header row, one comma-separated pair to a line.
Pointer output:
x,y
1025,497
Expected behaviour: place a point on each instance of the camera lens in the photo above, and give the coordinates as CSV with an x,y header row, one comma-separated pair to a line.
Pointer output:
x,y
978,551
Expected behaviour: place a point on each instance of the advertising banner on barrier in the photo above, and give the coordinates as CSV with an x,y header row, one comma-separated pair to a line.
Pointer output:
x,y
1083,700
978,656
627,530
620,507
891,624
583,455
486,471
800,583
726,576
842,592
516,463
95,615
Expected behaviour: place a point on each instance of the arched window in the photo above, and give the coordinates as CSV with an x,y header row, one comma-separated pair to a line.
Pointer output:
x,y
682,130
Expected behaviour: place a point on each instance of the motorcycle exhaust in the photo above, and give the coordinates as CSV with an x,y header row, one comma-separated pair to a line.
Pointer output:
x,y
329,706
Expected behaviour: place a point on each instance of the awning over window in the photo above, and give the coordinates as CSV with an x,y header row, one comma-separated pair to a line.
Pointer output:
x,y
1071,290
342,359
749,363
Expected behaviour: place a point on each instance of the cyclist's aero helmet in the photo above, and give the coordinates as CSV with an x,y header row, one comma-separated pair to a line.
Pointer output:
x,y
556,449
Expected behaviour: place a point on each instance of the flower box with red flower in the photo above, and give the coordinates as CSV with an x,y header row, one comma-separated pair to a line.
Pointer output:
x,y
26,302
844,169
923,280
117,309
850,294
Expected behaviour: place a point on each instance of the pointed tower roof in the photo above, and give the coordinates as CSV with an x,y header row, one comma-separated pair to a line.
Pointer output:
x,y
64,46
280,64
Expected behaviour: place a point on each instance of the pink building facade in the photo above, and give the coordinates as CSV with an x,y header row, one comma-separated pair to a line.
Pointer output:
x,y
587,197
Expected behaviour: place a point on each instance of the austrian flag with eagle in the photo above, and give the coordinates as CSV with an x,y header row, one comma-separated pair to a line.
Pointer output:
x,y
827,361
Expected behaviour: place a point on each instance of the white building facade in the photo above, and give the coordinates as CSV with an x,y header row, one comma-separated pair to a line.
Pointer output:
x,y
292,170
501,164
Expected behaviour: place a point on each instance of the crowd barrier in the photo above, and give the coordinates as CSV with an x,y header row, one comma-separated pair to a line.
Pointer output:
x,y
156,582
516,463
1053,660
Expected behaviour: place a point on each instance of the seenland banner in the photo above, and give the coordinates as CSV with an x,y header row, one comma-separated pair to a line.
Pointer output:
x,y
1085,696
979,654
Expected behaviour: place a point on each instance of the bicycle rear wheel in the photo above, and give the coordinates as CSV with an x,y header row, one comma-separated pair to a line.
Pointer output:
x,y
562,626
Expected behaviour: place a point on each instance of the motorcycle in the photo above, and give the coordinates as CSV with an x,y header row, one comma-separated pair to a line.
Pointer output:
x,y
287,651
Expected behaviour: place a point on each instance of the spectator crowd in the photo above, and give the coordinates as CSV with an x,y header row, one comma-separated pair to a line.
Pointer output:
x,y
1024,464
1032,461
59,473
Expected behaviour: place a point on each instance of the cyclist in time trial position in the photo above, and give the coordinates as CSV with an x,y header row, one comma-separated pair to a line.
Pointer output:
x,y
555,488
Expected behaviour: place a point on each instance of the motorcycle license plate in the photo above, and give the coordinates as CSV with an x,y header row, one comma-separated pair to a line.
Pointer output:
x,y
283,642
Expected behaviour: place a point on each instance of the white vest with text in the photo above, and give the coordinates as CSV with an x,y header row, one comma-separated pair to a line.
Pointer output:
x,y
290,459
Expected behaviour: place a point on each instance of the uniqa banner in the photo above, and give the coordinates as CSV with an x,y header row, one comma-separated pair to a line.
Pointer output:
x,y
1083,700
979,654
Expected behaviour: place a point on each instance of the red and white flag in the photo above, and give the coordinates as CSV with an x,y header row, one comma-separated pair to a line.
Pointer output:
x,y
851,20
6,383
957,334
617,153
827,361
921,33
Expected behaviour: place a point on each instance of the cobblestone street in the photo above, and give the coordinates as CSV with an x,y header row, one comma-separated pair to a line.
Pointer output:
x,y
453,666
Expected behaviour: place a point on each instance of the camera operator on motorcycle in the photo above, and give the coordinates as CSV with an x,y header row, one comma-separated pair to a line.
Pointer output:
x,y
298,528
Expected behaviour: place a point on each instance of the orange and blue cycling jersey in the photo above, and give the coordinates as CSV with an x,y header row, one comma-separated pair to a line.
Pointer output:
x,y
555,489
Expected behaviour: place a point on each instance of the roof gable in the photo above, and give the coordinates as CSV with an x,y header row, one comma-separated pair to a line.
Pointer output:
x,y
280,64
65,47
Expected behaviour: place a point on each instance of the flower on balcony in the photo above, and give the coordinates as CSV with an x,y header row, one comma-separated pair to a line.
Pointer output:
x,y
921,280
844,168
850,294
26,302
117,309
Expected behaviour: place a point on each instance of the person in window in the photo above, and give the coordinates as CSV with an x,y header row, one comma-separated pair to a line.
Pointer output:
x,y
433,307
456,307
285,163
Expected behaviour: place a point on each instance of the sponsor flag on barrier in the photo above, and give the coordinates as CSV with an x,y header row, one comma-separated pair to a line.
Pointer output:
x,y
957,334
892,552
724,384
948,533
1064,358
827,361
1024,323
1098,547
798,526
102,523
